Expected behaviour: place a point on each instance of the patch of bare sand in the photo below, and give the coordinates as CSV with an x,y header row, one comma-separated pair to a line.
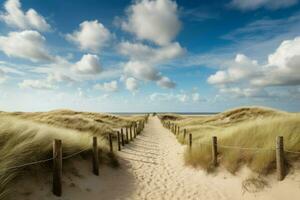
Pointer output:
x,y
153,167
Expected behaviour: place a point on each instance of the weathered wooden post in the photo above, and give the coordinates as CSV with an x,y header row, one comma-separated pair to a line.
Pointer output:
x,y
135,130
95,156
178,130
122,137
57,167
131,132
173,127
190,140
184,134
214,151
110,142
127,135
280,158
119,141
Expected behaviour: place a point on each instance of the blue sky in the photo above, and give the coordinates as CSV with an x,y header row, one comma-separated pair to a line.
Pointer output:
x,y
149,55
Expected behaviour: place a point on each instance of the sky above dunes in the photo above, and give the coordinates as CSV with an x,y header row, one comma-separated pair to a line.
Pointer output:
x,y
149,55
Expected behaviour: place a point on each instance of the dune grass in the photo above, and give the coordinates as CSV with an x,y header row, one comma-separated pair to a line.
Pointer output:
x,y
28,137
242,127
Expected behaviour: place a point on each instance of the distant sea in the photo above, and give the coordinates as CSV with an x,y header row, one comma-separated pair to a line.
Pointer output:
x,y
179,113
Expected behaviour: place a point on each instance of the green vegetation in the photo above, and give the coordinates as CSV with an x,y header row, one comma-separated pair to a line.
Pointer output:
x,y
28,137
242,127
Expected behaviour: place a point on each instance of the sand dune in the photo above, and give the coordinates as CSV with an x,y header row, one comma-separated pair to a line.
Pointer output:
x,y
152,167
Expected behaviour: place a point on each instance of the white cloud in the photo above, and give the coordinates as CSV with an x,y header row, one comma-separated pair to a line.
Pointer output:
x,y
107,86
89,64
161,97
15,17
283,66
242,67
246,78
91,36
131,84
59,77
165,82
182,97
255,4
36,84
141,52
141,70
156,21
26,44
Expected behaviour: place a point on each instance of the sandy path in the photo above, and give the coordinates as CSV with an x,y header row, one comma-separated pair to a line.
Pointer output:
x,y
152,167
156,161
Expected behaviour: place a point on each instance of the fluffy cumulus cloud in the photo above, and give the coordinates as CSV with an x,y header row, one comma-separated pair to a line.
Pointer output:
x,y
131,84
141,70
25,44
283,66
107,86
253,80
242,67
89,64
91,36
255,4
14,16
138,51
165,82
156,21
36,84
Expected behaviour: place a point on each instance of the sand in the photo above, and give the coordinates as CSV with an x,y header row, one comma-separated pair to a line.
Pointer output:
x,y
152,167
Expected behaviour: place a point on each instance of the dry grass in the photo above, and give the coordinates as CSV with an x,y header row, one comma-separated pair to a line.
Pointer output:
x,y
28,137
242,127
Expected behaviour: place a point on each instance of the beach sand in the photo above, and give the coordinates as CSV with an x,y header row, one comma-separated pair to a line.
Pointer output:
x,y
152,167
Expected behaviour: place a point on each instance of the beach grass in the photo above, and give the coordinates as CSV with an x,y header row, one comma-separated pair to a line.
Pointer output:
x,y
28,137
251,131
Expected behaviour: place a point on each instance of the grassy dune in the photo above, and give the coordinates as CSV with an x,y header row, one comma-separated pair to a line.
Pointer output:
x,y
242,127
28,137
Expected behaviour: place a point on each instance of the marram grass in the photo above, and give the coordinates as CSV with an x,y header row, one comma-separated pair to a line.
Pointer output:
x,y
28,137
242,127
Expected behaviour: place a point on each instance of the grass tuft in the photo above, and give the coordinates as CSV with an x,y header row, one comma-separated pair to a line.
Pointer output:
x,y
252,127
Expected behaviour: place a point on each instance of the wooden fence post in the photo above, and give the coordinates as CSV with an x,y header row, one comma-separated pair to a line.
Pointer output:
x,y
135,129
190,140
214,151
172,129
178,130
184,134
57,167
110,142
122,137
131,131
95,156
280,158
127,135
119,140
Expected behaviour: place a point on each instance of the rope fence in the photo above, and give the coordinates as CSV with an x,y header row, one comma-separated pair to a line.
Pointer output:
x,y
133,130
278,150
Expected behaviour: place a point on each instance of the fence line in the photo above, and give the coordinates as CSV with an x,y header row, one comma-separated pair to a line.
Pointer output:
x,y
138,128
278,150
74,154
169,125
